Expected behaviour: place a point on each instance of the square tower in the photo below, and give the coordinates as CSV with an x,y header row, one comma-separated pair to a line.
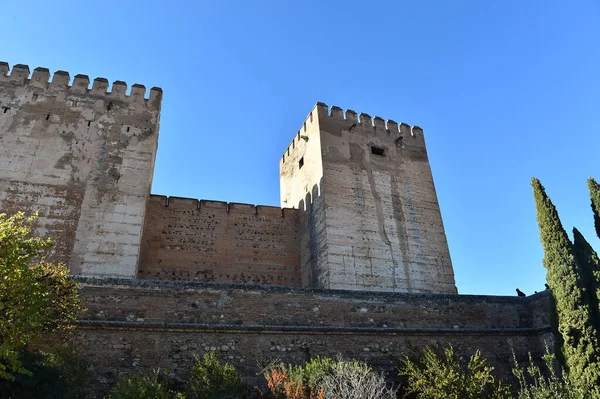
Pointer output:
x,y
83,158
370,215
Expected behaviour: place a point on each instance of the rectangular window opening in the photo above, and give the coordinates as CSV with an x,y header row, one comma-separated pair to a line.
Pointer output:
x,y
301,163
377,151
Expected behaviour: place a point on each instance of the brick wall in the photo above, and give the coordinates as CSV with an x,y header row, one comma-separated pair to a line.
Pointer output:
x,y
140,325
187,239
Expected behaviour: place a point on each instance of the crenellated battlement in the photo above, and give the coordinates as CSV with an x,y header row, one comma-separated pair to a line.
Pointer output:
x,y
81,152
335,113
354,122
194,204
364,183
41,78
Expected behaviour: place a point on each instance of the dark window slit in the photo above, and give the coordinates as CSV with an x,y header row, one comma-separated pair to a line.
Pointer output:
x,y
377,151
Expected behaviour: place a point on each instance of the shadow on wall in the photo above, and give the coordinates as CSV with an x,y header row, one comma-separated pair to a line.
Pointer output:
x,y
313,238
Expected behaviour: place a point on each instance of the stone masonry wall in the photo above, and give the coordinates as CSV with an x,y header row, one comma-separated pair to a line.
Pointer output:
x,y
137,325
84,158
300,178
384,227
369,211
187,239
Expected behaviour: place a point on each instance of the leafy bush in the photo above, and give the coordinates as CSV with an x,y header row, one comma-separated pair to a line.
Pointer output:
x,y
57,373
533,384
283,385
210,379
299,382
323,378
36,297
137,386
356,380
443,374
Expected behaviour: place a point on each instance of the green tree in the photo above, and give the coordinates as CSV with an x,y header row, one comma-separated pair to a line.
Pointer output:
x,y
574,315
595,196
535,384
36,297
589,264
442,374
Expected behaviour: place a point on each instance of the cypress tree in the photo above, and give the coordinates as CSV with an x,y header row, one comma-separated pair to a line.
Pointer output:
x,y
589,264
580,347
595,195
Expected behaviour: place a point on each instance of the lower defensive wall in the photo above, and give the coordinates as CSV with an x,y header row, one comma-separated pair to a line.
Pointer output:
x,y
139,325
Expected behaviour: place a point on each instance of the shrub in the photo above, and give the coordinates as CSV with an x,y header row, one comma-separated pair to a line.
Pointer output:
x,y
533,384
323,378
210,379
443,374
356,380
56,373
137,386
283,385
37,298
299,382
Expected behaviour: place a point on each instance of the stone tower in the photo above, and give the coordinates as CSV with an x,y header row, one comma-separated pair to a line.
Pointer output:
x,y
371,219
84,158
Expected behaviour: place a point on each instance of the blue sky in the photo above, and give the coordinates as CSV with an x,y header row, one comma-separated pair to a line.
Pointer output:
x,y
504,90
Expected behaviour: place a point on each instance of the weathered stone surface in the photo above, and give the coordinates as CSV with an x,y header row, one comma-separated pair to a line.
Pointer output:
x,y
370,219
249,326
84,160
366,220
215,241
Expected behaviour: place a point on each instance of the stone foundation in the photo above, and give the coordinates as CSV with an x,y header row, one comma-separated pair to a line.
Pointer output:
x,y
140,325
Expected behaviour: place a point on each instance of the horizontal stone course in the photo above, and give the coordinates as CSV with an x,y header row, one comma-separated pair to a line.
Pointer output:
x,y
139,325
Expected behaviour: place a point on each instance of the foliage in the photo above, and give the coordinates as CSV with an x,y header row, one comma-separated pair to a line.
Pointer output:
x,y
443,374
210,379
322,378
356,380
589,264
36,297
283,386
298,382
595,196
57,373
533,384
137,386
580,339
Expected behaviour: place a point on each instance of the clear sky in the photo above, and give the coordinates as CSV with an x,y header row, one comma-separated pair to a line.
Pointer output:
x,y
504,90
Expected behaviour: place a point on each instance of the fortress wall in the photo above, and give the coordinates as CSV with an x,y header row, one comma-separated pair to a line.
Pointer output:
x,y
83,157
387,200
187,239
301,177
137,325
